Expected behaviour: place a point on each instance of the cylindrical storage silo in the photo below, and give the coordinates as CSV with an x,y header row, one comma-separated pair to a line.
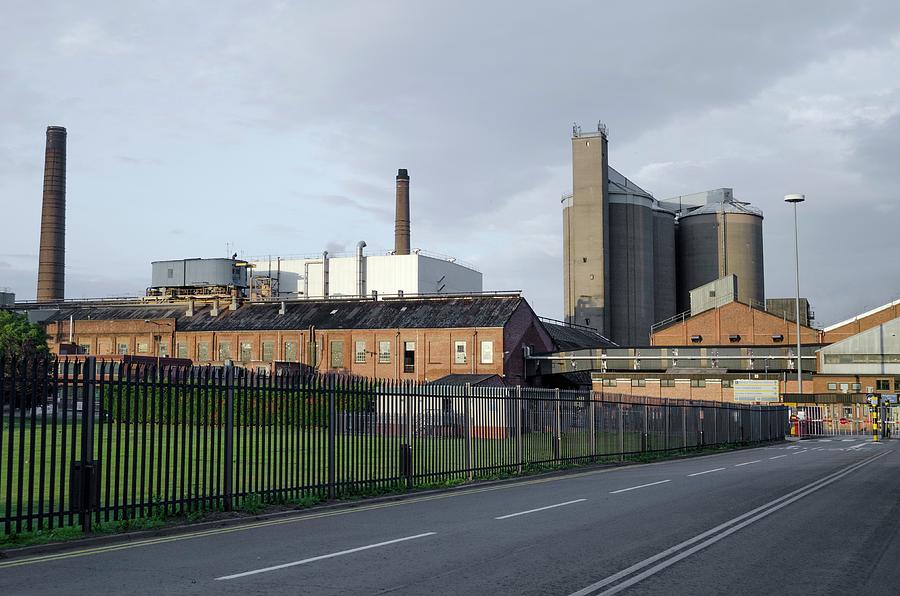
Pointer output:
x,y
719,239
631,270
664,264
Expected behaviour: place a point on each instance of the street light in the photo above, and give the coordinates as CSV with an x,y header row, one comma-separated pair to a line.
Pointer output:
x,y
797,198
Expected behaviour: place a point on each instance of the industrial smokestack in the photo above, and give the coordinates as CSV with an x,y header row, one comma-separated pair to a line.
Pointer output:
x,y
401,223
52,256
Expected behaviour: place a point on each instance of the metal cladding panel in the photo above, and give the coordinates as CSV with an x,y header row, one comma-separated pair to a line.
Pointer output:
x,y
664,275
631,272
713,245
439,276
197,272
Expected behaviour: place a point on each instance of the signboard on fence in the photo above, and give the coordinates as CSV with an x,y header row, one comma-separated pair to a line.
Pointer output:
x,y
755,390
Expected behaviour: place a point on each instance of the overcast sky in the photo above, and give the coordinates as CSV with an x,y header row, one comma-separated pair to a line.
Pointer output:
x,y
278,127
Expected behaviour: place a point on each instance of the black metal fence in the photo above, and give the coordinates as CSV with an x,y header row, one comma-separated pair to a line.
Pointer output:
x,y
84,442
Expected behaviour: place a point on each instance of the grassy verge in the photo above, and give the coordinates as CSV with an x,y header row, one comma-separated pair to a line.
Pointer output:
x,y
258,504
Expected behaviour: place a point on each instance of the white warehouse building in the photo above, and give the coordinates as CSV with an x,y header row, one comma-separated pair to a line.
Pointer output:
x,y
363,275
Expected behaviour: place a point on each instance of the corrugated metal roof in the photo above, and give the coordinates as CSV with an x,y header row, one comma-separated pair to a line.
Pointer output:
x,y
457,312
568,337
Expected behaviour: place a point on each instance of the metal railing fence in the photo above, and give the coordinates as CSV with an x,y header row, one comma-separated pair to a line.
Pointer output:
x,y
89,442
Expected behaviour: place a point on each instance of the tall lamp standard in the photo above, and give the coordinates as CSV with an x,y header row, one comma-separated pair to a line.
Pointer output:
x,y
797,198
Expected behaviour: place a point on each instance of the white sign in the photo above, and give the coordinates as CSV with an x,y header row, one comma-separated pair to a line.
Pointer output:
x,y
753,390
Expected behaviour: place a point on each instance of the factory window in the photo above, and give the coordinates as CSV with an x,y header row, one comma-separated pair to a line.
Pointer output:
x,y
163,349
832,386
121,349
638,383
882,384
203,351
459,351
143,347
384,352
487,352
224,350
181,350
268,351
845,387
609,382
698,383
84,348
855,387
726,383
337,354
667,382
896,384
246,351
409,356
290,351
360,352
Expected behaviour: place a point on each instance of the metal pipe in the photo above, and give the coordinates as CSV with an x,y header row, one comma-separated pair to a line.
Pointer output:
x,y
360,269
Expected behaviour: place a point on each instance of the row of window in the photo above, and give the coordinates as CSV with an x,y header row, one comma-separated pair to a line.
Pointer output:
x,y
855,387
245,352
662,382
885,385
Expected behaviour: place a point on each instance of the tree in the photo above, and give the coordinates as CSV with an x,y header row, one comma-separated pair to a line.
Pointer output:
x,y
26,365
21,338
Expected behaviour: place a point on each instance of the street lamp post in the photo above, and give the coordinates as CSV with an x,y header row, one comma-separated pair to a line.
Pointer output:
x,y
794,199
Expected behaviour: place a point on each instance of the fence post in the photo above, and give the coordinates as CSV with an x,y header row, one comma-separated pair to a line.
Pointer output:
x,y
468,411
668,423
557,445
407,396
229,436
331,437
593,423
645,435
621,414
684,427
519,429
89,474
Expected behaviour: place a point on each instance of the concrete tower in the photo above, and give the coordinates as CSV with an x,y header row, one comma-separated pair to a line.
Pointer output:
x,y
401,223
52,256
585,232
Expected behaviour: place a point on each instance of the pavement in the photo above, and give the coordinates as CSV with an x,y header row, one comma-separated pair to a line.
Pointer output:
x,y
810,517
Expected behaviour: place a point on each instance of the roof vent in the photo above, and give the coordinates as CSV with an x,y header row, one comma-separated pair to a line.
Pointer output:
x,y
281,309
334,311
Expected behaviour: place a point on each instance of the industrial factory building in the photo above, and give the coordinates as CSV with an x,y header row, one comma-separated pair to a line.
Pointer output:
x,y
631,261
421,339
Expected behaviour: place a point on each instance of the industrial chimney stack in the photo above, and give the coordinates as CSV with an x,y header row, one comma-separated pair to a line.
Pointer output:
x,y
52,257
401,223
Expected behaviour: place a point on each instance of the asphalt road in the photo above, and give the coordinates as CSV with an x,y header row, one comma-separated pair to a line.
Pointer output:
x,y
819,517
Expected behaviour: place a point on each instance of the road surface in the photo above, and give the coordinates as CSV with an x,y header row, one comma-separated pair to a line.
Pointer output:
x,y
817,517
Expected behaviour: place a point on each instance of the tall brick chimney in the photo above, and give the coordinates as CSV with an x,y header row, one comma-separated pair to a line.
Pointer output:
x,y
52,256
401,223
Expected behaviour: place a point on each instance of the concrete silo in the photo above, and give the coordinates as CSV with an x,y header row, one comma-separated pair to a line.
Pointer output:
x,y
631,264
664,275
718,239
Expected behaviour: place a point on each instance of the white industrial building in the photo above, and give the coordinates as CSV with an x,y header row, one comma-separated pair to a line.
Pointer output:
x,y
364,275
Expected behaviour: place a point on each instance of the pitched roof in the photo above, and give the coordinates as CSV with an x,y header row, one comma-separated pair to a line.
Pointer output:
x,y
455,312
574,337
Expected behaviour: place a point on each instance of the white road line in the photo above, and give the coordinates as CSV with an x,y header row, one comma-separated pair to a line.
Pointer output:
x,y
625,490
713,535
857,446
540,509
706,472
322,557
777,456
747,463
